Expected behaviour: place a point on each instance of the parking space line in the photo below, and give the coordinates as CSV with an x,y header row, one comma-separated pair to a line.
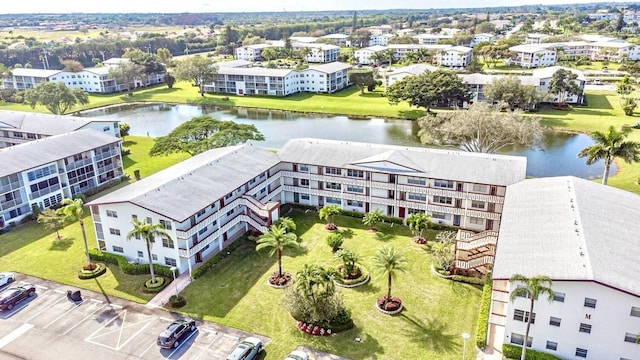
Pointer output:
x,y
14,334
231,336
115,306
120,346
59,291
182,343
42,287
63,314
147,349
165,319
83,320
97,301
45,309
208,346
107,323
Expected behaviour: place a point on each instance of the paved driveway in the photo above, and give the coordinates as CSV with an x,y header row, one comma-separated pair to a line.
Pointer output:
x,y
50,326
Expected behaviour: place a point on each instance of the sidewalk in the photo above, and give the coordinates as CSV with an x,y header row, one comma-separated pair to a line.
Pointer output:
x,y
489,353
163,296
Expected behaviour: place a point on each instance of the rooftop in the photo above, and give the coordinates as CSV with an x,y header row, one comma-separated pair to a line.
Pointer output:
x,y
529,48
254,71
42,73
570,229
233,63
331,67
415,69
42,124
547,72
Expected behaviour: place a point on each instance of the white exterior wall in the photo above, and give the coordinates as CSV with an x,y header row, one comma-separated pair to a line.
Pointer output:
x,y
454,58
482,38
313,81
544,87
248,54
610,321
532,59
363,56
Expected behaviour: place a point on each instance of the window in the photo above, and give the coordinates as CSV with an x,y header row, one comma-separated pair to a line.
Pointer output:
x,y
585,328
332,171
170,261
518,339
113,231
203,230
140,255
417,181
521,315
591,303
201,212
442,200
335,201
230,212
304,182
558,296
477,204
552,345
354,203
635,311
355,189
166,224
111,213
443,183
304,168
632,338
149,220
419,197
355,173
168,243
304,196
441,216
118,249
134,217
154,257
333,186
581,352
476,220
554,321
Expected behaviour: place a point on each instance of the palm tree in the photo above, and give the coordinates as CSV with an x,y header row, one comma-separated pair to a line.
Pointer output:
x,y
72,210
411,57
315,281
349,260
532,289
278,239
286,222
148,233
388,262
377,57
269,54
418,223
371,218
610,145
304,52
390,54
327,213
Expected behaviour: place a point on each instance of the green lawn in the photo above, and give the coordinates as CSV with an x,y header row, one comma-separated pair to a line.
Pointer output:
x,y
437,311
139,158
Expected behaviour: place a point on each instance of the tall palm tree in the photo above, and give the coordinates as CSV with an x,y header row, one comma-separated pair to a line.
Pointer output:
x,y
72,211
148,233
316,281
304,52
269,54
418,223
390,55
278,239
286,222
388,262
328,212
533,288
610,145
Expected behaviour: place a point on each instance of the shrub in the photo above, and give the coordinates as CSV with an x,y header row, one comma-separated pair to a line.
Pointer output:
x,y
90,274
129,269
216,258
483,314
177,301
514,351
335,240
156,287
467,280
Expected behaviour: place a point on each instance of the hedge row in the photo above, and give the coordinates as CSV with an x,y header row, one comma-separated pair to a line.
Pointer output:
x,y
90,274
129,269
514,352
483,314
216,258
467,279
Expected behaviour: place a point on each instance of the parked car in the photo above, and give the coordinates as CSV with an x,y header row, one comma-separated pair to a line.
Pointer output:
x,y
15,295
248,349
171,336
297,355
7,278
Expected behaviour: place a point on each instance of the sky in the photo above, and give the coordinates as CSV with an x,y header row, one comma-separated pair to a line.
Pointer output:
x,y
194,6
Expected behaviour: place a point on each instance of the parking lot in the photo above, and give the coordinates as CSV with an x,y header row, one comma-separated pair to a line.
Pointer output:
x,y
49,325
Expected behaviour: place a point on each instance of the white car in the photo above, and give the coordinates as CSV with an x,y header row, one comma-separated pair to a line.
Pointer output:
x,y
7,278
248,349
297,355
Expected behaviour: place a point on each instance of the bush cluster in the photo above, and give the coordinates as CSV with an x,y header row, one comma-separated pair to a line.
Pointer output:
x,y
129,269
467,279
215,259
483,314
156,287
513,352
177,301
90,274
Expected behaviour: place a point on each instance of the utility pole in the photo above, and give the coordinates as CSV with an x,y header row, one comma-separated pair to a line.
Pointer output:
x,y
45,60
186,49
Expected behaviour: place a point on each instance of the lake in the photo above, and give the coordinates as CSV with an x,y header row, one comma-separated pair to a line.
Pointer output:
x,y
556,155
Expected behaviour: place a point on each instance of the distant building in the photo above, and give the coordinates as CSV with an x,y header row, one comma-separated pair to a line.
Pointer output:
x,y
478,38
531,56
455,56
338,39
398,74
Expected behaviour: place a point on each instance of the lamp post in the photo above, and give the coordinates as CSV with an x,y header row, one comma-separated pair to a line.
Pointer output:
x,y
465,337
173,271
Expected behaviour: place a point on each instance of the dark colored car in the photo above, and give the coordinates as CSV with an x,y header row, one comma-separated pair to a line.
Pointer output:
x,y
14,295
170,337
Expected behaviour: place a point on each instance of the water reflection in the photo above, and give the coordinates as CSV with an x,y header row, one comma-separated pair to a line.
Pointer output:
x,y
555,156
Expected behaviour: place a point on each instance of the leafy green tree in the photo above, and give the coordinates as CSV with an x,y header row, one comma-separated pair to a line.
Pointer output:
x,y
389,262
328,212
169,80
441,87
148,233
165,56
55,96
124,129
361,78
252,40
531,288
481,128
269,54
403,39
127,73
444,249
625,86
72,210
71,65
199,69
510,90
610,145
229,39
203,133
349,260
52,220
335,240
278,240
418,223
563,85
360,38
372,218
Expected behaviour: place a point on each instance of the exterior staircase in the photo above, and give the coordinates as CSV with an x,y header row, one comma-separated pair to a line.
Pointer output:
x,y
475,250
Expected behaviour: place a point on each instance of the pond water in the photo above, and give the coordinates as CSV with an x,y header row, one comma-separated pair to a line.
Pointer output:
x,y
555,156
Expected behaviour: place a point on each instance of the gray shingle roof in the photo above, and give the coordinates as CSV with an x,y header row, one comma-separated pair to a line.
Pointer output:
x,y
34,72
570,229
176,192
233,63
331,67
547,72
433,163
17,158
254,71
43,124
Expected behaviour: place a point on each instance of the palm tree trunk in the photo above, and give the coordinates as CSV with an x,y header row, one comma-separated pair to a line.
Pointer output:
x,y
84,237
153,274
388,287
279,255
523,355
607,166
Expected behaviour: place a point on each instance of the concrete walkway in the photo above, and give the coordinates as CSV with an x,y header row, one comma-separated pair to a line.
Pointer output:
x,y
163,296
489,353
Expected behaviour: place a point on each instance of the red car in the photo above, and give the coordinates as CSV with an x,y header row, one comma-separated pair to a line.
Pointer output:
x,y
15,295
